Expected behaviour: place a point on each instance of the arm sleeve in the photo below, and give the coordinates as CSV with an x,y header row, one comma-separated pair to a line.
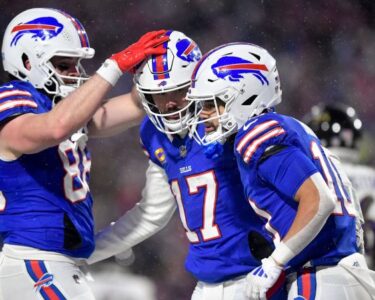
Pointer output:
x,y
287,170
285,251
145,219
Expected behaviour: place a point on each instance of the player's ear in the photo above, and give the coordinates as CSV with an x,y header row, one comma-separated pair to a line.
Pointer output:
x,y
259,247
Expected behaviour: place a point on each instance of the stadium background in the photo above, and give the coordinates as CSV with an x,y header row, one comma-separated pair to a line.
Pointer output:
x,y
325,50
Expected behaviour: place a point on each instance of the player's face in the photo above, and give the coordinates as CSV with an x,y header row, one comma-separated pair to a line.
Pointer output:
x,y
66,66
211,114
171,102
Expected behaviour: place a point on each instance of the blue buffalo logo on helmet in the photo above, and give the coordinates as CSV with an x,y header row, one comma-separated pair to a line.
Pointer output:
x,y
233,68
44,28
188,51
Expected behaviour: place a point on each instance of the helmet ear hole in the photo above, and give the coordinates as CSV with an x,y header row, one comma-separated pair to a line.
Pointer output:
x,y
25,61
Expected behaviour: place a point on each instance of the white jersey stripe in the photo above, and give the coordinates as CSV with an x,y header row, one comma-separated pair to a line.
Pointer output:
x,y
256,143
14,93
254,132
14,103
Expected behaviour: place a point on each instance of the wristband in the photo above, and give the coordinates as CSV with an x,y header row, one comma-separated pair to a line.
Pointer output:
x,y
110,71
282,254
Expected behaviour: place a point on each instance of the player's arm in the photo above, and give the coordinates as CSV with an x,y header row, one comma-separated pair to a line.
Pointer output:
x,y
145,219
117,115
30,133
125,111
315,204
293,174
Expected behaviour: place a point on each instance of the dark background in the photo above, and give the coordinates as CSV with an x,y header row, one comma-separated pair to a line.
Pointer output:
x,y
325,51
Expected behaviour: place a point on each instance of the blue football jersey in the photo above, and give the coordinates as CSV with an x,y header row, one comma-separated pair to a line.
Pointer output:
x,y
211,202
275,155
45,201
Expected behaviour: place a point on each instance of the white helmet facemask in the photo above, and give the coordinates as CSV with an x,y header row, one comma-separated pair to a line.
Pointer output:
x,y
166,73
226,124
38,35
171,123
240,77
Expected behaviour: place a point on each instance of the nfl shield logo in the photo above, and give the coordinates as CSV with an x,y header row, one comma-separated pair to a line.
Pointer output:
x,y
183,151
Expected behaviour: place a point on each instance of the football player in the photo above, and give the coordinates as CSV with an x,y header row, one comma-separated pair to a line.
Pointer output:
x,y
45,202
225,235
289,181
340,130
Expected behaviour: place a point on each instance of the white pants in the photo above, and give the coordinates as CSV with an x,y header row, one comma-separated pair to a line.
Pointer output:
x,y
228,290
41,279
349,280
234,289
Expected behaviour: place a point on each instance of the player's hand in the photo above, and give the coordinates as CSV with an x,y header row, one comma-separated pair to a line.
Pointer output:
x,y
150,43
262,278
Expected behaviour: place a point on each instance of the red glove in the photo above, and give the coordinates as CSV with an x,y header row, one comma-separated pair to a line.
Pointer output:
x,y
150,43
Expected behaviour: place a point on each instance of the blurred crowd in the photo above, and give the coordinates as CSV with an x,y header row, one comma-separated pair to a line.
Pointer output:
x,y
325,51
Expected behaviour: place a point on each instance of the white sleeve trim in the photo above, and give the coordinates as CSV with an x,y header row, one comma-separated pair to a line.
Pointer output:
x,y
110,71
145,219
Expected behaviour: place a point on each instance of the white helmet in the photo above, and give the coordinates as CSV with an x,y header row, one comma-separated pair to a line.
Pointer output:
x,y
165,73
244,77
39,34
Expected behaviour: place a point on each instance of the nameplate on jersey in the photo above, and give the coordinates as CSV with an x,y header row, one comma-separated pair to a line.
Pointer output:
x,y
185,169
